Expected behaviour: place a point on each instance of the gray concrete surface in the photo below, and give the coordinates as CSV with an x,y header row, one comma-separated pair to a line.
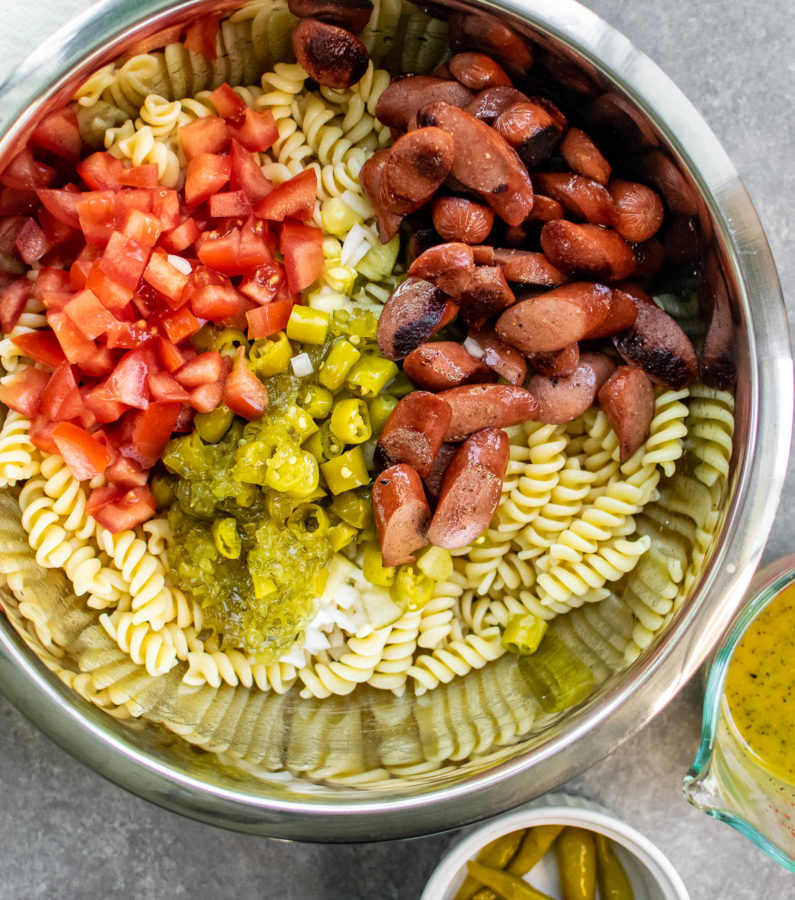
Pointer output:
x,y
67,833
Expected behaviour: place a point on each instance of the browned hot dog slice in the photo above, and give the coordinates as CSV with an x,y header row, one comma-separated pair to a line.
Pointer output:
x,y
562,399
402,100
556,318
433,480
526,267
656,344
449,266
410,315
649,257
627,397
531,130
478,71
718,363
443,365
505,360
459,219
370,178
350,14
417,165
622,315
414,431
401,514
490,103
587,251
484,161
545,209
486,293
559,364
583,157
476,406
640,210
331,55
471,489
583,197
487,34
662,172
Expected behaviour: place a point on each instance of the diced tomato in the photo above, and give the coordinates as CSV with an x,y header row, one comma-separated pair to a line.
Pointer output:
x,y
61,399
226,102
96,211
40,433
12,302
179,325
230,203
10,260
165,278
14,202
202,369
206,135
295,198
55,231
80,268
101,171
63,252
268,319
142,227
85,456
165,205
22,391
126,473
207,173
236,251
89,315
170,355
302,248
118,509
166,389
140,176
49,279
181,237
62,203
32,242
216,302
151,431
256,130
201,36
78,349
41,346
102,405
207,397
264,284
59,133
110,292
244,393
246,175
130,335
26,173
127,199
127,383
124,260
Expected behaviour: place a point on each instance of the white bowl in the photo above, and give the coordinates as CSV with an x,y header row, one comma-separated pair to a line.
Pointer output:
x,y
651,873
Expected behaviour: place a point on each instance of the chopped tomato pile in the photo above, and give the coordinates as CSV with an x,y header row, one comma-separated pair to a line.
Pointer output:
x,y
128,272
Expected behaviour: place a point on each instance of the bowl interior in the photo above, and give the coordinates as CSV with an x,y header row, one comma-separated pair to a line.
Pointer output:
x,y
372,765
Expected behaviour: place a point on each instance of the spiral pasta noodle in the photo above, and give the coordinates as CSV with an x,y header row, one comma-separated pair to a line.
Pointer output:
x,y
20,460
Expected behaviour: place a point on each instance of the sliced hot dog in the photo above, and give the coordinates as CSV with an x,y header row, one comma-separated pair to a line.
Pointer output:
x,y
486,293
410,315
656,344
718,362
531,130
414,431
487,34
551,320
559,364
459,219
649,257
433,480
505,360
587,251
443,365
331,55
478,71
562,399
471,489
401,514
526,267
417,165
449,266
639,209
582,156
622,315
484,161
350,14
490,103
476,406
627,397
402,100
585,198
370,178
679,195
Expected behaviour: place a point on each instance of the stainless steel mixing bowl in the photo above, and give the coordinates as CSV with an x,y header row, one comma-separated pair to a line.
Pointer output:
x,y
167,772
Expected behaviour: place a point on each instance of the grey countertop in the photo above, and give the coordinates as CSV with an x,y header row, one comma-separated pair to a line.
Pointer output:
x,y
68,833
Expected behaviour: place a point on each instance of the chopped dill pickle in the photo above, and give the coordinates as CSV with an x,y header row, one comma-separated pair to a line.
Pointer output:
x,y
556,675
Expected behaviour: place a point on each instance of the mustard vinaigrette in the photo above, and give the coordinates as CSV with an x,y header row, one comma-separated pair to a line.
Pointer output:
x,y
760,686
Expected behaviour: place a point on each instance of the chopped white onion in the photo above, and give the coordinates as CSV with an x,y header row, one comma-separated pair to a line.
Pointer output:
x,y
473,348
302,365
180,263
355,245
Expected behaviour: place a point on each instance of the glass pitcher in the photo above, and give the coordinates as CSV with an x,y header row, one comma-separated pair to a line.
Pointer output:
x,y
728,780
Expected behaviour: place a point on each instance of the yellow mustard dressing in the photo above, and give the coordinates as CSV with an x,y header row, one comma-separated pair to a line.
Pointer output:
x,y
760,686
